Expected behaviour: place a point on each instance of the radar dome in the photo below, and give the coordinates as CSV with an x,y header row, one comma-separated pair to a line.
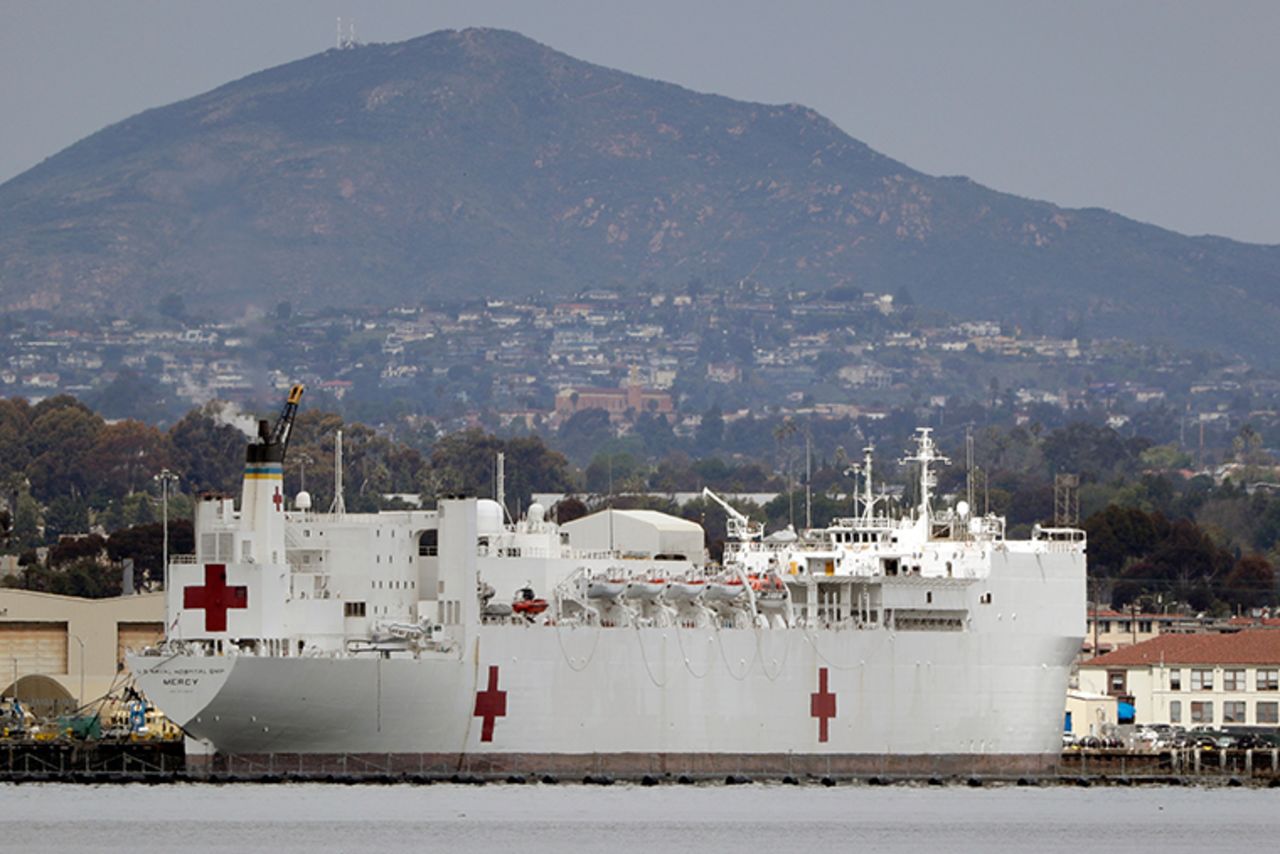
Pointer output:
x,y
303,501
962,509
488,517
536,513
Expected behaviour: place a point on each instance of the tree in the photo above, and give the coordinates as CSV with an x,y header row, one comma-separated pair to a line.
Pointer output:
x,y
131,395
710,433
62,438
66,514
77,548
569,508
208,453
173,306
125,457
144,544
26,523
584,432
1251,583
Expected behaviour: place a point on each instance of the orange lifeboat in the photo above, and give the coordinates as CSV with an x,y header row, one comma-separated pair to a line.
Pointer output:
x,y
529,607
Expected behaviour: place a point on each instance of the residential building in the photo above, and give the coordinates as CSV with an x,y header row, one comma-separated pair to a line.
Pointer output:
x,y
1210,679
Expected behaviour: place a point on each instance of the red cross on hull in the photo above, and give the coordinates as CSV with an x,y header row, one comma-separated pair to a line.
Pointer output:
x,y
216,598
822,704
491,704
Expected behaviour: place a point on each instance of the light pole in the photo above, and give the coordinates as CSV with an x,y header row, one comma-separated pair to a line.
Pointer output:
x,y
76,638
165,477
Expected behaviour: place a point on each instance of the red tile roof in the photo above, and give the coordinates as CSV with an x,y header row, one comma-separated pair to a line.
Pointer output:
x,y
1260,646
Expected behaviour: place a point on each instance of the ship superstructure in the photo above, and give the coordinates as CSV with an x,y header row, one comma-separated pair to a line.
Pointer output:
x,y
453,638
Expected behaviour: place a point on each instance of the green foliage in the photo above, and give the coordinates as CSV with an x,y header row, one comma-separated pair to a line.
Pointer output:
x,y
86,577
582,432
1140,554
1164,458
144,544
466,462
208,453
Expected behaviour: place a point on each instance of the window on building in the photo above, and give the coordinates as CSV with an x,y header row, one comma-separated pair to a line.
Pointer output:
x,y
1233,679
1268,679
1233,712
1116,682
1175,679
353,609
1268,712
1125,625
1201,680
1104,626
1144,626
429,543
1202,711
1175,711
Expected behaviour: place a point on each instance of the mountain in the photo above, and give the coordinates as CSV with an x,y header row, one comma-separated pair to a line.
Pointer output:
x,y
480,162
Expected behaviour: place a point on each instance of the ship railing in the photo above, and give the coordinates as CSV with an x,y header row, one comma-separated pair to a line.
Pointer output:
x,y
1059,539
875,523
182,559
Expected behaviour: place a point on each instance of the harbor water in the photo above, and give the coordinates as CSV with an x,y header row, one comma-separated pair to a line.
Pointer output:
x,y
541,818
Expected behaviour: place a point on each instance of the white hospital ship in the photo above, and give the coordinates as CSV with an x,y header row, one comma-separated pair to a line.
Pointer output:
x,y
449,640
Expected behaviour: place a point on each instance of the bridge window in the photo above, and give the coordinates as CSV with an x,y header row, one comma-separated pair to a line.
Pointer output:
x,y
353,609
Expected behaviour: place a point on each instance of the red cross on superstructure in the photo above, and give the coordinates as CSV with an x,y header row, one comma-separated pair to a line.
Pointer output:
x,y
491,704
215,597
822,704
278,499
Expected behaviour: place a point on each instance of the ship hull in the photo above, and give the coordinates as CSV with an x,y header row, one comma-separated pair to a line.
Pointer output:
x,y
546,699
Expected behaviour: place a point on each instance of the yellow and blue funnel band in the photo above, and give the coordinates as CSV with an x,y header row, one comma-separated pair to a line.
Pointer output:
x,y
264,471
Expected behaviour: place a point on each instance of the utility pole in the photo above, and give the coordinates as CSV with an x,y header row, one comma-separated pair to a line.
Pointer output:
x,y
808,479
164,478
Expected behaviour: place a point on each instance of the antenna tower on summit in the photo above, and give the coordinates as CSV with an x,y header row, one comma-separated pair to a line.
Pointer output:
x,y
347,37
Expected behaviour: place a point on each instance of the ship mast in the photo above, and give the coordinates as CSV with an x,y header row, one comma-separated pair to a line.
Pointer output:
x,y
926,454
868,498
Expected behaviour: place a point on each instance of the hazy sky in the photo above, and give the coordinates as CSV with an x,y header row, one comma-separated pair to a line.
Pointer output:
x,y
1163,111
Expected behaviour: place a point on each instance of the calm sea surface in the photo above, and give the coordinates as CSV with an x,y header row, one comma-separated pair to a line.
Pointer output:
x,y
670,819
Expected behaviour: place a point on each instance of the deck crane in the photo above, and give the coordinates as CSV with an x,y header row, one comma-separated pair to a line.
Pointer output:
x,y
739,527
